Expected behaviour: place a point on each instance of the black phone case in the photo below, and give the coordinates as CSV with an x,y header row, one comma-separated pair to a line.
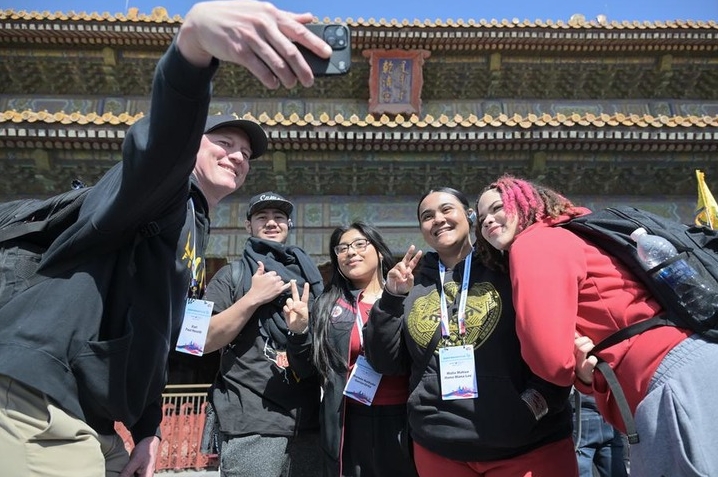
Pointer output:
x,y
340,61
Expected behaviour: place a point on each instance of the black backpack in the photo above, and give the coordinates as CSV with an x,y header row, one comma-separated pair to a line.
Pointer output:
x,y
27,228
610,229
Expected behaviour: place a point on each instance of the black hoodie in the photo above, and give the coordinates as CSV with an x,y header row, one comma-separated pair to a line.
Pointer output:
x,y
96,338
497,424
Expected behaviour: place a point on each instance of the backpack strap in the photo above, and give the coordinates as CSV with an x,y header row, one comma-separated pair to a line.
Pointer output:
x,y
577,418
610,376
621,400
630,331
236,271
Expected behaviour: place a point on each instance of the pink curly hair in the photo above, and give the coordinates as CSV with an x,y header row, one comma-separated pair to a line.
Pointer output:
x,y
527,201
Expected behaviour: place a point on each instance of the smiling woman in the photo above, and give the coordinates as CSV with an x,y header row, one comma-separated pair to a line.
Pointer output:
x,y
569,294
358,402
447,319
444,217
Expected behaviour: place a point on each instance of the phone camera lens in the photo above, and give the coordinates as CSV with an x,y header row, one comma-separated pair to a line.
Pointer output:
x,y
336,37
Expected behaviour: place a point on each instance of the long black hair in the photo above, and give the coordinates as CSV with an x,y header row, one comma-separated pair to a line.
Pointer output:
x,y
326,357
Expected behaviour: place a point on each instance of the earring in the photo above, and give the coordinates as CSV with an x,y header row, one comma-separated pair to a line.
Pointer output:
x,y
471,217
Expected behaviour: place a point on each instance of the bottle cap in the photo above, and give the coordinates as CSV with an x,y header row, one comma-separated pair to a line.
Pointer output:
x,y
636,234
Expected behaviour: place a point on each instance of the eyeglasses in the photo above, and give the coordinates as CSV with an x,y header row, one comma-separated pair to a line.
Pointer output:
x,y
358,245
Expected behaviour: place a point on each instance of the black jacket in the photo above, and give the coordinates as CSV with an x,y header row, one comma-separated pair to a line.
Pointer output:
x,y
252,393
96,338
495,425
331,410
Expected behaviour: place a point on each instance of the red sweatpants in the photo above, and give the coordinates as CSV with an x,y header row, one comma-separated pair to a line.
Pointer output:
x,y
557,459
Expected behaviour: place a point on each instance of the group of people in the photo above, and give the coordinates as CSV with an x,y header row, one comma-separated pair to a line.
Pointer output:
x,y
456,361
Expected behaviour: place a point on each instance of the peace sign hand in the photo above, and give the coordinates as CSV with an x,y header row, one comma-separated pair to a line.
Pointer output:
x,y
400,279
296,310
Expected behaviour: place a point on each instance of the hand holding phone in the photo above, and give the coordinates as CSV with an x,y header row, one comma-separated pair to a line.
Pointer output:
x,y
338,37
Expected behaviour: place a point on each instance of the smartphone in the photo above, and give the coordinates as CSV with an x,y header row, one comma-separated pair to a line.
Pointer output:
x,y
338,37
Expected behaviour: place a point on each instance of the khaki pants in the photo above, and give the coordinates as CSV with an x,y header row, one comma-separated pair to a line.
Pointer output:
x,y
38,439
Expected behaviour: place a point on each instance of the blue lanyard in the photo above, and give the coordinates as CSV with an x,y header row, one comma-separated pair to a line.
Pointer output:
x,y
462,301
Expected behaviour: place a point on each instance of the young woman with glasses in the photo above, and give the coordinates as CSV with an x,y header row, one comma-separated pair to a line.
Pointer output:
x,y
362,413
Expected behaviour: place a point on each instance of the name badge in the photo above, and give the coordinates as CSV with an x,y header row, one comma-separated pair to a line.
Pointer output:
x,y
195,324
363,382
458,373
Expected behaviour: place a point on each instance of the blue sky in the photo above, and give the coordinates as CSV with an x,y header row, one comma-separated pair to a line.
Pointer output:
x,y
651,10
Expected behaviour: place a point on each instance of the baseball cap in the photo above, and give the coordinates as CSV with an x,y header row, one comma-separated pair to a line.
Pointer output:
x,y
269,200
257,136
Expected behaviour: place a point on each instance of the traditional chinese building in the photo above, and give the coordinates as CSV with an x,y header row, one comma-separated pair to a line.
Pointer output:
x,y
604,111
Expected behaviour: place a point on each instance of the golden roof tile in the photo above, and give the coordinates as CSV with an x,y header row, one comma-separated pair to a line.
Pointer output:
x,y
578,21
443,121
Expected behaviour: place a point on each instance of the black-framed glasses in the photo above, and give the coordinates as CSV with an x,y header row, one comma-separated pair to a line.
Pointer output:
x,y
358,245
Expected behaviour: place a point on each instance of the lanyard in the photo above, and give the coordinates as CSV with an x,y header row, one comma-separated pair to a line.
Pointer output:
x,y
360,324
194,284
462,301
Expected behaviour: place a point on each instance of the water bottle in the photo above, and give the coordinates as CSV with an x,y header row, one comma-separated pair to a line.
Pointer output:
x,y
693,292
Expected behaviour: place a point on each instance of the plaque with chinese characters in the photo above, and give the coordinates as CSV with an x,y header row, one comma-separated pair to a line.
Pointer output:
x,y
395,80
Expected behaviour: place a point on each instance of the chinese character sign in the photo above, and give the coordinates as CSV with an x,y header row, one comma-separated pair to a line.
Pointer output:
x,y
395,81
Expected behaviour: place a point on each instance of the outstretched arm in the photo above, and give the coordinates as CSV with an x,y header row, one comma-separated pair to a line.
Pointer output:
x,y
256,35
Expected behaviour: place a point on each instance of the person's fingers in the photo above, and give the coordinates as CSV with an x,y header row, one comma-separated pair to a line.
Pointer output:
x,y
305,293
261,71
408,255
295,291
305,37
415,260
275,61
280,54
260,269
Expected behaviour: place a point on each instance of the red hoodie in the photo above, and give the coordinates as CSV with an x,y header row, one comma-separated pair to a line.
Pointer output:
x,y
563,283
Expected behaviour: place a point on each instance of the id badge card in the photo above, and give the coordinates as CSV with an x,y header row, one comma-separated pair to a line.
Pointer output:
x,y
363,382
458,373
195,324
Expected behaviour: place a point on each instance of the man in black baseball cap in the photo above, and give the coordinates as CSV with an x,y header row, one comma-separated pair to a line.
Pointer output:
x,y
269,200
271,358
255,133
228,146
132,289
